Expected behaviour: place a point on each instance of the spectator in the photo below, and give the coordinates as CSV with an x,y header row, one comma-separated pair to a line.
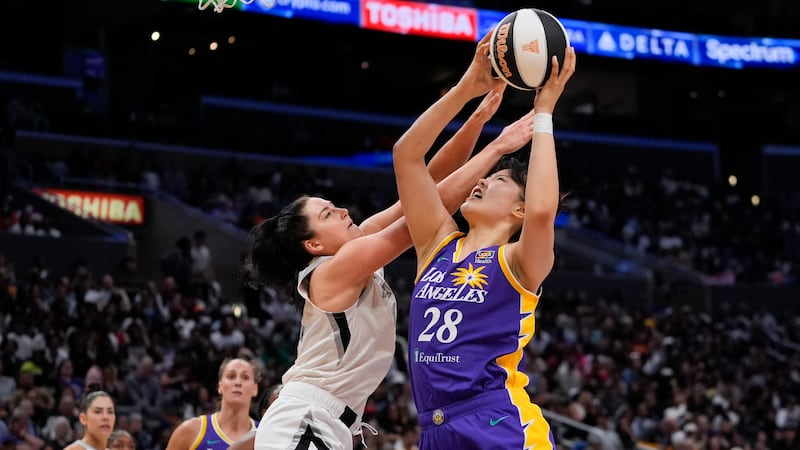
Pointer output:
x,y
143,438
59,434
67,380
228,338
107,293
177,264
121,440
144,391
202,261
7,384
18,431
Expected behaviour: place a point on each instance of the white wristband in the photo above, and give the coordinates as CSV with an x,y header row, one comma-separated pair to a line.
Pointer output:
x,y
543,123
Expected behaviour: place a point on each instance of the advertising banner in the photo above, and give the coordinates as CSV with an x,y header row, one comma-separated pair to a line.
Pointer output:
x,y
110,207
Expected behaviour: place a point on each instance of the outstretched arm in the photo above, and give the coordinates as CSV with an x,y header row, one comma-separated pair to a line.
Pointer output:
x,y
532,257
452,155
343,276
425,212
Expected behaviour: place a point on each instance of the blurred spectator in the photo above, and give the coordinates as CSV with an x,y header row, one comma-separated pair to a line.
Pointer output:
x,y
228,338
143,438
203,276
101,296
8,385
66,379
18,432
59,434
177,264
202,262
121,440
144,391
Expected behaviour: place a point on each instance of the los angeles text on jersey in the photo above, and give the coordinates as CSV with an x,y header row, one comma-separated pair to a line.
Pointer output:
x,y
432,291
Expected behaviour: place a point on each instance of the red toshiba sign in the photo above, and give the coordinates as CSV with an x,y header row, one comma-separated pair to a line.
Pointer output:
x,y
423,19
118,208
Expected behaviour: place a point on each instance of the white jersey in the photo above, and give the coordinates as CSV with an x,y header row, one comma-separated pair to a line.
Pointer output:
x,y
349,353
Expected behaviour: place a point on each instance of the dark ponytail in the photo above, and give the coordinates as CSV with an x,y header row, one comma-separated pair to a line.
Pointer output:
x,y
276,250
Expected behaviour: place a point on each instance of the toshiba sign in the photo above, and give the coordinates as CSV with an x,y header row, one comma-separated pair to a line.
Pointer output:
x,y
111,207
423,19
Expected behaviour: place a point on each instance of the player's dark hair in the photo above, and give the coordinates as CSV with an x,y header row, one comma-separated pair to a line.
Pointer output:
x,y
518,171
276,252
92,392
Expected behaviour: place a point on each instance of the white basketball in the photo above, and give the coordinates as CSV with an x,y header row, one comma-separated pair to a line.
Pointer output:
x,y
522,45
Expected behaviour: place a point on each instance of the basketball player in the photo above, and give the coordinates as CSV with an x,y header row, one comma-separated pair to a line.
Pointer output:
x,y
97,415
237,386
475,294
347,340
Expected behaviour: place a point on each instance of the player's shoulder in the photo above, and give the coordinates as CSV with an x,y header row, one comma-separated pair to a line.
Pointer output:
x,y
187,431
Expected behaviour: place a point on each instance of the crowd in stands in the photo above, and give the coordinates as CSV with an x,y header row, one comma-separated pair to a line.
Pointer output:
x,y
678,379
710,227
25,219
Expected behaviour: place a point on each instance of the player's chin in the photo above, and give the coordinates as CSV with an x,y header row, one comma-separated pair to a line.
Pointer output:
x,y
469,204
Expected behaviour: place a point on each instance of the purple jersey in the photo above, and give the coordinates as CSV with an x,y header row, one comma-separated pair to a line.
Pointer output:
x,y
469,322
211,436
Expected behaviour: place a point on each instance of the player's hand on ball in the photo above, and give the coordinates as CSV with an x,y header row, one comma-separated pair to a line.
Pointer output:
x,y
549,94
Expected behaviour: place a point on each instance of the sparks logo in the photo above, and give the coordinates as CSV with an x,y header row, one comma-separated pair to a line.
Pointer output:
x,y
532,46
471,276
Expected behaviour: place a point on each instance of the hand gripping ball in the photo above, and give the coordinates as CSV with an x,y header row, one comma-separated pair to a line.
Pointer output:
x,y
522,45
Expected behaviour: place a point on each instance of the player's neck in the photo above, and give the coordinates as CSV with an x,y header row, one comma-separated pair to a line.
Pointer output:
x,y
235,420
482,237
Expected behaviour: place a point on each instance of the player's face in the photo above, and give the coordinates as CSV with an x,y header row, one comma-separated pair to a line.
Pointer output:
x,y
238,383
99,418
332,227
123,442
493,197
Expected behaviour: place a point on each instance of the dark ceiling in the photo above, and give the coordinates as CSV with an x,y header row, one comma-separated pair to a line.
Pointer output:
x,y
320,64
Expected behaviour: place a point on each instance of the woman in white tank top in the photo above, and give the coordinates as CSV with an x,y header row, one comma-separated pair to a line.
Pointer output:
x,y
97,415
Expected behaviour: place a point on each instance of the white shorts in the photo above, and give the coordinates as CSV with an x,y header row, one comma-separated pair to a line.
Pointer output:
x,y
307,417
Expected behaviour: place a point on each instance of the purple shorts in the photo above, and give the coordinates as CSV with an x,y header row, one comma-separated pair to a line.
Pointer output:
x,y
483,422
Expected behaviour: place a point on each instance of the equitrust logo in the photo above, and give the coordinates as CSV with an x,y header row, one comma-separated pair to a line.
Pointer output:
x,y
436,358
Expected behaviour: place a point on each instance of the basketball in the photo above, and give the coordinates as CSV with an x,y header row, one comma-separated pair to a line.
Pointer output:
x,y
522,45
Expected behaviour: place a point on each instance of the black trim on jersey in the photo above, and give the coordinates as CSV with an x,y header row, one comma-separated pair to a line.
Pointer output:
x,y
348,417
309,438
344,329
